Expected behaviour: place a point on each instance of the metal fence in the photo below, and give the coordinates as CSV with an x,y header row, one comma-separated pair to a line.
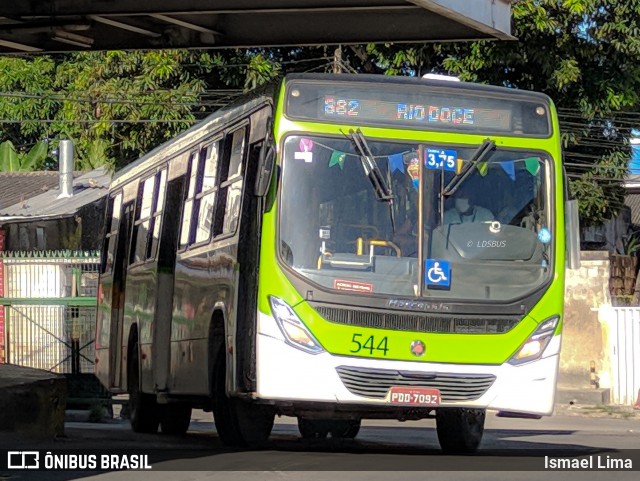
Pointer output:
x,y
50,304
624,348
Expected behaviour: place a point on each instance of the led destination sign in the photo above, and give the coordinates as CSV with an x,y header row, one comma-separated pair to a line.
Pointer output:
x,y
465,108
380,110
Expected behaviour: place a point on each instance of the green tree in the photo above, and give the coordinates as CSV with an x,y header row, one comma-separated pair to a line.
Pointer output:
x,y
116,106
584,54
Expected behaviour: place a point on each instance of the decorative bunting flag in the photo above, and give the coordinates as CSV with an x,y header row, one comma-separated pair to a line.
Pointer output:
x,y
483,168
306,144
337,158
413,169
396,163
532,164
510,168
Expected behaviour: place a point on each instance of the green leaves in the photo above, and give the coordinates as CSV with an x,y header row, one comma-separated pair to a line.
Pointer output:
x,y
9,161
260,71
115,106
12,161
566,73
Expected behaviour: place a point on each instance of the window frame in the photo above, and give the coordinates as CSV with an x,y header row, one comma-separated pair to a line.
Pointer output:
x,y
223,184
114,230
159,177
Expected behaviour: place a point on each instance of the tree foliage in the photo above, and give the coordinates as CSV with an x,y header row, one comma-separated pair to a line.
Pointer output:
x,y
14,161
113,105
584,54
118,105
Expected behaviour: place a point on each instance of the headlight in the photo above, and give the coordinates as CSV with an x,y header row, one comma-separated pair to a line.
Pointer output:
x,y
294,330
537,342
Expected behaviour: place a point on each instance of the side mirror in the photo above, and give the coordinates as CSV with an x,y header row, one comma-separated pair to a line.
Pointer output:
x,y
572,234
266,164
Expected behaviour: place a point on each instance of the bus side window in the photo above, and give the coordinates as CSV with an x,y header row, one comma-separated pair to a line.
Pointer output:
x,y
158,208
112,219
142,223
149,205
206,198
229,200
187,213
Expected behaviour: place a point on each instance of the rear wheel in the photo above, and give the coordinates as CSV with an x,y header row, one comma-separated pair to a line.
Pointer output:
x,y
175,419
460,430
144,411
239,423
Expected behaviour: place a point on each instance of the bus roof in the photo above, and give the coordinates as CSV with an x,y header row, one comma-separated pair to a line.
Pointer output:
x,y
190,137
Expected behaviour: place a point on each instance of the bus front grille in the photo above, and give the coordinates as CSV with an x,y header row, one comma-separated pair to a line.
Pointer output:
x,y
418,322
375,383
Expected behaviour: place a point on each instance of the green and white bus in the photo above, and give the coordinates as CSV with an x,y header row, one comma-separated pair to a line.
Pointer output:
x,y
340,248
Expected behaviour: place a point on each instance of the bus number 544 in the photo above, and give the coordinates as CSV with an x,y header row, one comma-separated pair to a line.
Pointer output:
x,y
371,344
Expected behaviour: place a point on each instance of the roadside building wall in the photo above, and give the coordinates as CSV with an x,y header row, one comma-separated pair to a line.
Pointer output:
x,y
583,344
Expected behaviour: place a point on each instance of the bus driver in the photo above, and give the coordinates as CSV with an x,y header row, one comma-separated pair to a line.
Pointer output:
x,y
465,211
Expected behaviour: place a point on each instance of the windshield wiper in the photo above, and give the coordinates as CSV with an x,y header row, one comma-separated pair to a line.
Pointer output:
x,y
479,155
381,187
371,169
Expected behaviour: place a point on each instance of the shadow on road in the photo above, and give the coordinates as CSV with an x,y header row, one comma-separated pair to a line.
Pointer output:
x,y
376,448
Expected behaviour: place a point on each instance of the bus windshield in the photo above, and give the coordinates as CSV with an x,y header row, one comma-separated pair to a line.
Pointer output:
x,y
489,239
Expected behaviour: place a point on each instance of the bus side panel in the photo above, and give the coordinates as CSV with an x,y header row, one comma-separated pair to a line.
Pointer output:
x,y
248,260
119,328
193,300
222,275
166,278
140,310
103,331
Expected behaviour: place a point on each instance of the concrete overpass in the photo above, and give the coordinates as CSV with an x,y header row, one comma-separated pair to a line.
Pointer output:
x,y
49,26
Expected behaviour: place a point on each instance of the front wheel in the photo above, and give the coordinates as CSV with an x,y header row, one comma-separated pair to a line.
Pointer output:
x,y
239,423
460,430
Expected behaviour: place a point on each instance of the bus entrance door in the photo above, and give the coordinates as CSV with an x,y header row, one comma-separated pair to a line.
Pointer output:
x,y
121,263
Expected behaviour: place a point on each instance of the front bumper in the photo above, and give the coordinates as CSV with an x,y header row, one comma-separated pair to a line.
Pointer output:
x,y
289,375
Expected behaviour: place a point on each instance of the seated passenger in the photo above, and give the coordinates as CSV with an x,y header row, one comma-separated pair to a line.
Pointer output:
x,y
465,211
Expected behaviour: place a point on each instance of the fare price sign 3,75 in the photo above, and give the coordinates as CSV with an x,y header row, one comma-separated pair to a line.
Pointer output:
x,y
413,396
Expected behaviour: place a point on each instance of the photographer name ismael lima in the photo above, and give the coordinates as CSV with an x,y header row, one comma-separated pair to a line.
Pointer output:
x,y
588,462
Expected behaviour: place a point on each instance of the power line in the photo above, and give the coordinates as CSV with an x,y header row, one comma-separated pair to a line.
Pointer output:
x,y
95,121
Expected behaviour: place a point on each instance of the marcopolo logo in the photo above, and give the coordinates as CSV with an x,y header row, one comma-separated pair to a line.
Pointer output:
x,y
23,460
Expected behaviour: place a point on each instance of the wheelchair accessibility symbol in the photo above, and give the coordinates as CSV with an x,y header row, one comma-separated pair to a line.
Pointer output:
x,y
437,273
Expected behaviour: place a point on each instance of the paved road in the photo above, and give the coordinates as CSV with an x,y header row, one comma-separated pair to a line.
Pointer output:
x,y
384,450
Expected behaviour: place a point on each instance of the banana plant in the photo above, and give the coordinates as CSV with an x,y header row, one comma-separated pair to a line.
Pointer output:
x,y
12,161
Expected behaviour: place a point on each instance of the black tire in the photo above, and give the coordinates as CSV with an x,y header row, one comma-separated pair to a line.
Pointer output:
x,y
144,411
460,430
344,428
313,428
175,419
239,423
